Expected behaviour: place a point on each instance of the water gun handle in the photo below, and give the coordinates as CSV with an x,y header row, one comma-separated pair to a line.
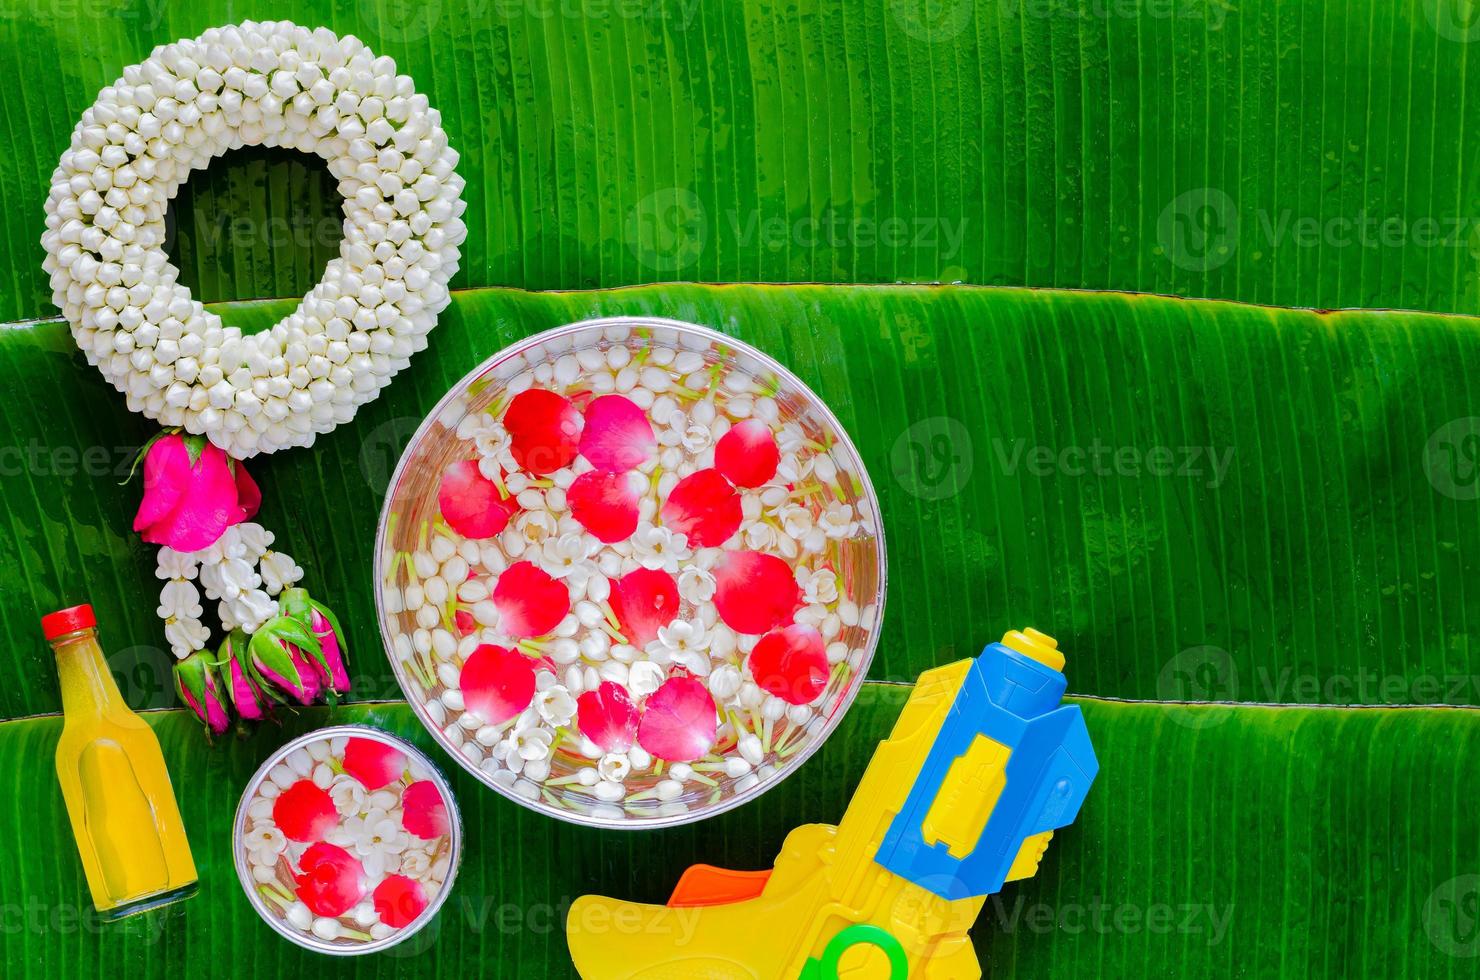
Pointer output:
x,y
825,967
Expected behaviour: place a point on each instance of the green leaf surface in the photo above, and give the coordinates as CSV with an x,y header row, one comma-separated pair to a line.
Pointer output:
x,y
1258,842
1204,501
1308,153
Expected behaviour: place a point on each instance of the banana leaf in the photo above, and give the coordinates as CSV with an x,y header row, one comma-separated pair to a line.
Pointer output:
x,y
1300,153
1208,501
1243,841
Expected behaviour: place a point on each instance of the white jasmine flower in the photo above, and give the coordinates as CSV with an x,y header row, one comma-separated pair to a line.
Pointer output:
x,y
837,521
255,540
820,586
796,520
696,584
348,794
614,767
658,547
278,571
265,842
529,743
185,636
249,610
179,600
790,438
378,839
696,438
176,565
555,705
415,864
568,557
535,526
724,682
645,677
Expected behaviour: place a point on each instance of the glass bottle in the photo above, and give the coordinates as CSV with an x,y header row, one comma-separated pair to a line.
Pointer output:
x,y
118,793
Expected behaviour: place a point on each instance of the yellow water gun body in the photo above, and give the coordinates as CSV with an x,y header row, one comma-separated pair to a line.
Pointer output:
x,y
983,765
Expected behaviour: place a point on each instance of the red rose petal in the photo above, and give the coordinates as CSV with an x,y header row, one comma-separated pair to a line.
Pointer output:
x,y
330,880
747,454
423,810
791,663
607,717
644,599
399,900
530,602
679,721
304,812
704,508
754,592
618,436
605,503
471,503
464,622
544,430
497,683
373,763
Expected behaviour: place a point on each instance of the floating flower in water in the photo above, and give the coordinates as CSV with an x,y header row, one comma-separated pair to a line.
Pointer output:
x,y
472,504
555,705
684,643
423,811
305,812
791,663
530,602
568,557
399,900
678,721
747,455
704,508
607,716
330,880
605,503
660,548
378,840
754,592
644,600
373,762
617,436
497,683
820,586
544,430
265,842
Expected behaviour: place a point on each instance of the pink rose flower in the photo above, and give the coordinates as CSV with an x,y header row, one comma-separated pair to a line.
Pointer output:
x,y
189,505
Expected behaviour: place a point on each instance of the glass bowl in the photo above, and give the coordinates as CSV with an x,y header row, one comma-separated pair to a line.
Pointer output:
x,y
630,572
376,863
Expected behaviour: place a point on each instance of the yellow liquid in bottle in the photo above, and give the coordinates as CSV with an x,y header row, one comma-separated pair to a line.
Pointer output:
x,y
119,798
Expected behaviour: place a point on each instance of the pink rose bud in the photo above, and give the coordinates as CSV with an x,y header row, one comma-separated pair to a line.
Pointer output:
x,y
193,492
334,651
287,657
243,686
199,687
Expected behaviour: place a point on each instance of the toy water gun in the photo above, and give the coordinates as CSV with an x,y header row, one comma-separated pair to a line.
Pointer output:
x,y
982,767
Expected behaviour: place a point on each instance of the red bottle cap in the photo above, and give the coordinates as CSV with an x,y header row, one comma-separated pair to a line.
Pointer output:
x,y
65,621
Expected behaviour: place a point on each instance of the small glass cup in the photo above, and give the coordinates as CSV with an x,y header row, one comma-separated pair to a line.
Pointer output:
x,y
277,899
